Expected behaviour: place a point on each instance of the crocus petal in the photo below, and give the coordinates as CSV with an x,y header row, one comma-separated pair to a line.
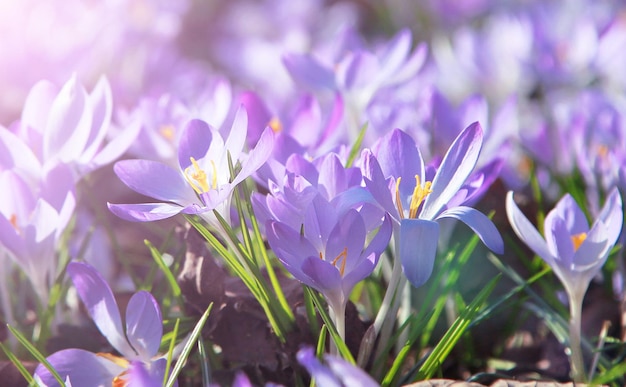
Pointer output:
x,y
83,368
568,210
238,132
116,147
376,183
612,216
69,123
418,247
322,375
456,166
526,231
101,103
324,275
319,219
399,157
155,180
194,142
288,245
559,241
349,374
307,70
147,374
15,154
257,157
348,233
594,250
480,224
144,325
100,303
144,212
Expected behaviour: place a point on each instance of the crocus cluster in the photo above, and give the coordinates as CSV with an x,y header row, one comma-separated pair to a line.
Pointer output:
x,y
315,143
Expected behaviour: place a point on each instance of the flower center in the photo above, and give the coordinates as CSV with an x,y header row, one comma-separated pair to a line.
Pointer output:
x,y
341,259
578,240
276,125
167,132
13,221
419,194
197,177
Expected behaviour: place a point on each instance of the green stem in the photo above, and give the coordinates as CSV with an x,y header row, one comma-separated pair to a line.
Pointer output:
x,y
576,360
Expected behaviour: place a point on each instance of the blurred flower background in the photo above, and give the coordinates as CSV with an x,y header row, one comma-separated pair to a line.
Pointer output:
x,y
277,112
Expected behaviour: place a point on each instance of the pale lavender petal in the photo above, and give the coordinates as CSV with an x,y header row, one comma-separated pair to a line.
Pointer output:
x,y
101,305
480,224
325,275
395,53
258,115
350,375
319,219
376,183
147,374
257,157
83,368
144,325
69,123
370,256
399,157
307,123
102,106
348,233
568,210
156,180
16,154
238,132
411,66
559,241
612,216
357,70
307,70
145,212
288,245
10,239
332,176
456,166
594,250
526,231
322,375
37,105
418,247
194,142
115,148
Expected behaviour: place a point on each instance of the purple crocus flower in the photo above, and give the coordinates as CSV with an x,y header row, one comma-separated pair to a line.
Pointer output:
x,y
203,182
574,251
70,126
138,343
335,373
416,203
327,251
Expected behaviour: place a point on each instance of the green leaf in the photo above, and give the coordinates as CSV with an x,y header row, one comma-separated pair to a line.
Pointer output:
x,y
182,359
354,151
20,367
170,350
454,333
171,280
36,354
341,345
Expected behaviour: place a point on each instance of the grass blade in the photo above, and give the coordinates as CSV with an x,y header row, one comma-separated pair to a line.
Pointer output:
x,y
36,354
195,334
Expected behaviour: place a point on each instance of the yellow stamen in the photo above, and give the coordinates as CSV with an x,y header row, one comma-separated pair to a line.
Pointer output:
x,y
399,199
119,380
167,131
578,240
13,221
603,151
120,361
275,124
197,177
341,257
419,194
